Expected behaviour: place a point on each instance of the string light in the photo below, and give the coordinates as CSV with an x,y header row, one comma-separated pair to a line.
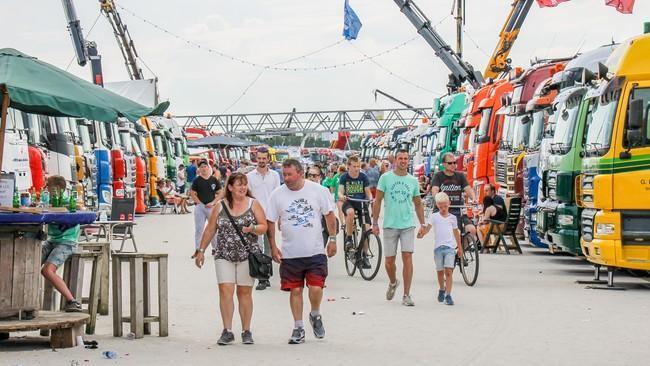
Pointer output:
x,y
272,66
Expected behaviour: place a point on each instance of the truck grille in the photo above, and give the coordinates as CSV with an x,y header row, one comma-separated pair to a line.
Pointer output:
x,y
587,224
551,184
501,173
588,189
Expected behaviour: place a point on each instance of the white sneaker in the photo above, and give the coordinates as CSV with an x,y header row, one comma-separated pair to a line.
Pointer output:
x,y
392,287
407,301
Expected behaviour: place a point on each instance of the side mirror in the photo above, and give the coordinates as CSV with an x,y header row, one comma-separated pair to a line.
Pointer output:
x,y
93,139
635,115
482,139
602,71
565,114
525,119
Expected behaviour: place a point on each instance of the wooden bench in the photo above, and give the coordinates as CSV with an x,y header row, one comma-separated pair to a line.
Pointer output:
x,y
509,229
64,327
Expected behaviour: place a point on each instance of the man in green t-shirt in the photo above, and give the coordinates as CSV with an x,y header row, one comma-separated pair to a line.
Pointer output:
x,y
400,193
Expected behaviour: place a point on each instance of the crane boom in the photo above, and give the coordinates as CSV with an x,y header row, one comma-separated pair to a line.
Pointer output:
x,y
461,71
123,38
74,27
499,62
377,91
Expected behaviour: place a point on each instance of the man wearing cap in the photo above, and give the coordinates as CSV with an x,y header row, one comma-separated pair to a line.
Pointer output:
x,y
261,182
205,192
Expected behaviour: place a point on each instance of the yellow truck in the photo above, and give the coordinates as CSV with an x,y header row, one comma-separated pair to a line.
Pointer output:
x,y
614,187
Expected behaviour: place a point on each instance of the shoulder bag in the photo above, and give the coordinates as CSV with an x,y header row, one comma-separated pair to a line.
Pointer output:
x,y
260,265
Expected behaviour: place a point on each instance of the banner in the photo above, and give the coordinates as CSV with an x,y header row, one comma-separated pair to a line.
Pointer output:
x,y
351,22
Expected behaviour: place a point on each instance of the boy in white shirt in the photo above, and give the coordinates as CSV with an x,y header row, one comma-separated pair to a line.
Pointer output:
x,y
446,241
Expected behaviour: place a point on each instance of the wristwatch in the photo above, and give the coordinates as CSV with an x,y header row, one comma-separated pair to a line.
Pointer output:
x,y
331,238
202,250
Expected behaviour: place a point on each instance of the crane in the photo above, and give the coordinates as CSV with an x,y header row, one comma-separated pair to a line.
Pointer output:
x,y
461,71
377,91
84,50
499,62
123,38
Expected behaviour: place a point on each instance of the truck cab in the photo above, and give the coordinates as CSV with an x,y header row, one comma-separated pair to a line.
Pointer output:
x,y
15,156
448,111
488,135
614,187
560,213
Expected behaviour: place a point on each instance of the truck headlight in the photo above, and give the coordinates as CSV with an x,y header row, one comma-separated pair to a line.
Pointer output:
x,y
605,229
565,220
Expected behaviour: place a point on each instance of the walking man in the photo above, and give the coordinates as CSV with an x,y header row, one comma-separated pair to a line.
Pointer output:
x,y
298,206
400,193
205,192
261,182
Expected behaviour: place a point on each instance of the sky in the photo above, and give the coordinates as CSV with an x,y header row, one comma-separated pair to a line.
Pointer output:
x,y
271,31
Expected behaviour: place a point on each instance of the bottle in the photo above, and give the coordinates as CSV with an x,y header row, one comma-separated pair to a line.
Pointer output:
x,y
103,216
34,198
54,198
72,205
65,199
16,202
45,198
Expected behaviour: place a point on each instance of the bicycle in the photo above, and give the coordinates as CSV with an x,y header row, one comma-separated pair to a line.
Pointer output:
x,y
367,248
471,247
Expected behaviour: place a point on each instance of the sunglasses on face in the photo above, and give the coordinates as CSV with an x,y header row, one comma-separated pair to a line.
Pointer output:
x,y
450,162
313,175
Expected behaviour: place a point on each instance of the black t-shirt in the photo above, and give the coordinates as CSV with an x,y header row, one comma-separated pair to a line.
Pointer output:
x,y
453,185
354,187
206,189
500,205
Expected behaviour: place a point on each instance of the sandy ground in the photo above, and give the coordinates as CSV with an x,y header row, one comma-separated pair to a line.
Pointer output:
x,y
525,309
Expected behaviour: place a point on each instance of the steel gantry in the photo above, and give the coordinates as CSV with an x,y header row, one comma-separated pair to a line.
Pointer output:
x,y
361,120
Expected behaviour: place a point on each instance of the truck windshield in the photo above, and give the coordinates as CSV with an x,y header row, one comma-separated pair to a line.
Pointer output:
x,y
521,133
484,126
158,144
536,129
125,142
179,148
508,132
566,116
62,125
442,139
15,120
460,142
600,124
135,143
472,142
84,137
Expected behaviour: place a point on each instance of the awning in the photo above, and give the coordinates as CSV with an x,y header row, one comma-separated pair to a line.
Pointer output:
x,y
221,141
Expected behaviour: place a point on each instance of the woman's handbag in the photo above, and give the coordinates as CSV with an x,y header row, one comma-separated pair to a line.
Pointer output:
x,y
260,265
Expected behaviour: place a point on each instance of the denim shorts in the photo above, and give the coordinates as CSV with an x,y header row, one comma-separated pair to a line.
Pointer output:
x,y
56,253
445,257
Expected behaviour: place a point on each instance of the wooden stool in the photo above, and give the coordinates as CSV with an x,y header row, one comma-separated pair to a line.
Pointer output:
x,y
73,276
140,296
105,249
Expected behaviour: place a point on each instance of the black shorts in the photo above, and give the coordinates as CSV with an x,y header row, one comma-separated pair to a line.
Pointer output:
x,y
357,206
296,272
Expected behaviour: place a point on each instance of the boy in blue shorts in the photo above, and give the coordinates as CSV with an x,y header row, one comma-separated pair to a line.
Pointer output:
x,y
446,241
61,242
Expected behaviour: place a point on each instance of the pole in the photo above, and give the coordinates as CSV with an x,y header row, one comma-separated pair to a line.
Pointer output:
x,y
460,12
3,123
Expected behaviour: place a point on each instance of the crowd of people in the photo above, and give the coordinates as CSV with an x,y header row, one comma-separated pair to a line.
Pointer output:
x,y
307,205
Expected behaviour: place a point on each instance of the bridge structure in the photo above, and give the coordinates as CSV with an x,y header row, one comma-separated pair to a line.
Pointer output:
x,y
293,123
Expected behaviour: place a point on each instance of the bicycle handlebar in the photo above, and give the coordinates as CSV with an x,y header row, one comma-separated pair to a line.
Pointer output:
x,y
362,200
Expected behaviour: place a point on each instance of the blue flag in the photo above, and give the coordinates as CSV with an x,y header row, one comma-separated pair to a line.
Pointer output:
x,y
351,22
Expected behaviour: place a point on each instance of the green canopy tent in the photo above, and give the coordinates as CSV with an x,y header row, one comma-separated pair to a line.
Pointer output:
x,y
33,86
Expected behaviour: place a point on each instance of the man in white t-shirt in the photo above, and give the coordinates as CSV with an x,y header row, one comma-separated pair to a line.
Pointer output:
x,y
446,242
298,206
261,182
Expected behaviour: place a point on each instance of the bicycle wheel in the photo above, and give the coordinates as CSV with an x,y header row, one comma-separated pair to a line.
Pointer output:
x,y
370,252
469,263
350,256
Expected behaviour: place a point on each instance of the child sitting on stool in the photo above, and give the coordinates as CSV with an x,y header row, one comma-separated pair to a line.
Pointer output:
x,y
61,242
